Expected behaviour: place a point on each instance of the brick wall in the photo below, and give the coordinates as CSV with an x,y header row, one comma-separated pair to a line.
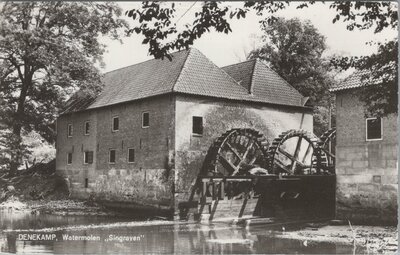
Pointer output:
x,y
366,170
148,179
218,117
77,171
165,153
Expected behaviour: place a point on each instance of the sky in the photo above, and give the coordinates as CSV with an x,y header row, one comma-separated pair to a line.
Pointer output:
x,y
228,49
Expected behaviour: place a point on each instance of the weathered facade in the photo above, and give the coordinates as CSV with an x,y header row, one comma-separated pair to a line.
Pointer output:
x,y
152,125
366,160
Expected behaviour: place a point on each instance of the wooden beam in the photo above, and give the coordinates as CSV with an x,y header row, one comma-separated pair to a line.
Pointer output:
x,y
246,195
307,152
286,154
234,151
296,153
247,150
227,164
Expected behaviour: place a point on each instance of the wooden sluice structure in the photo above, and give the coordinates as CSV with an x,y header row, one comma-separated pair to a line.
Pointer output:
x,y
272,197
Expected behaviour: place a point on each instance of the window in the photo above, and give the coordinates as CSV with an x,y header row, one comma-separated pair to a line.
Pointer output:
x,y
70,130
145,120
373,129
86,183
115,124
111,158
69,158
131,155
197,125
87,127
88,157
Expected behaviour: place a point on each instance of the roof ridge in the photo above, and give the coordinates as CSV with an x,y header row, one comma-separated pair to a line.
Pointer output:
x,y
252,75
285,81
180,72
230,78
240,62
151,59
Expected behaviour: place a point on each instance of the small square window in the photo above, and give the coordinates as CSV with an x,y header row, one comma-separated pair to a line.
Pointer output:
x,y
115,124
87,128
131,155
197,125
145,120
373,129
69,130
111,158
88,157
69,158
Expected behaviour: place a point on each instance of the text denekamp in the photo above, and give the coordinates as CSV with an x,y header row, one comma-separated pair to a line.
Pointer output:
x,y
37,237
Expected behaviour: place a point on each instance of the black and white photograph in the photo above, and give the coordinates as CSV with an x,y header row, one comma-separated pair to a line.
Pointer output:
x,y
199,127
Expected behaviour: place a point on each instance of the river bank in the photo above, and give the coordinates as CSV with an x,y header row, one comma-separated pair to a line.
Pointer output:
x,y
376,239
56,207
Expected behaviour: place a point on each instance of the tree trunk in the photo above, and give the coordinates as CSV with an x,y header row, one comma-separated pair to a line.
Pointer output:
x,y
16,143
16,155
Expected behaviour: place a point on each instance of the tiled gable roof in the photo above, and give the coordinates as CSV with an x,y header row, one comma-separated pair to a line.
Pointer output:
x,y
241,72
149,78
200,76
264,84
190,72
353,81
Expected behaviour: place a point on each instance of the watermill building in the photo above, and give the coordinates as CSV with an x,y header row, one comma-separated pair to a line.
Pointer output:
x,y
145,137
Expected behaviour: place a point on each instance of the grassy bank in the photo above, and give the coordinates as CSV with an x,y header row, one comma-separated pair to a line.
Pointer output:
x,y
41,189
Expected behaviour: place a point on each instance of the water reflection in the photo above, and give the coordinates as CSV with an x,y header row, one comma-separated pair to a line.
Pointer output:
x,y
10,219
141,238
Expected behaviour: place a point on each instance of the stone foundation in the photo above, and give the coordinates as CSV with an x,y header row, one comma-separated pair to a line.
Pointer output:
x,y
367,184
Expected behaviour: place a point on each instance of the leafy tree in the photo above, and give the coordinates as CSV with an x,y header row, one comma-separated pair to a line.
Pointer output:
x,y
294,50
157,20
158,26
379,70
47,51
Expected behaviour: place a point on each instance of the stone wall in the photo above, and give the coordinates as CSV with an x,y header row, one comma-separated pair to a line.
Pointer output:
x,y
367,176
146,180
218,117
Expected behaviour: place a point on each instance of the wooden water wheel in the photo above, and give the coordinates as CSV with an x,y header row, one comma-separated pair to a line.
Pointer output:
x,y
327,144
236,152
239,152
294,152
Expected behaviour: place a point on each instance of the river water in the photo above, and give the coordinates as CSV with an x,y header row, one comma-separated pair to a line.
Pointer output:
x,y
20,231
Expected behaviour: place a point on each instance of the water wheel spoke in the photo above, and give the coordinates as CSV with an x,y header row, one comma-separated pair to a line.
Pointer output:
x,y
307,152
296,153
227,164
328,153
286,154
281,165
234,151
301,164
247,150
249,142
253,160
